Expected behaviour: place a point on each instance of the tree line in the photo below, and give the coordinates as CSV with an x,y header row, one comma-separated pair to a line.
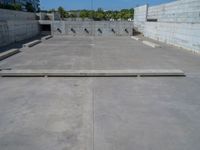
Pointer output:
x,y
29,7
97,15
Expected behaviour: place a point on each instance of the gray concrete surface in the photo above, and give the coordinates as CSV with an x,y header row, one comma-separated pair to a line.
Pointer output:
x,y
32,43
91,73
8,53
101,53
100,113
45,114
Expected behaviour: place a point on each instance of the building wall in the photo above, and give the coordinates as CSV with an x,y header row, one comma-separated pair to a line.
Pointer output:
x,y
178,23
17,26
88,28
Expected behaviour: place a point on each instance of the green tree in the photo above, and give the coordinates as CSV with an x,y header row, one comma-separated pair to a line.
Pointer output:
x,y
84,14
99,15
17,6
62,12
29,7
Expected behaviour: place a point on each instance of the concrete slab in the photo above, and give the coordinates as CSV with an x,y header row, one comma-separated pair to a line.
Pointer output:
x,y
8,53
100,113
151,44
101,53
147,113
38,113
135,38
31,44
46,37
90,73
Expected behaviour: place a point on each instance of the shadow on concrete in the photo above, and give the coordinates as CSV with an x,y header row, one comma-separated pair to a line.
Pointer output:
x,y
19,45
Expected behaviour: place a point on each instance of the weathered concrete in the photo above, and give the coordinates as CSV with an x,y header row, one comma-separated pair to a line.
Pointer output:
x,y
135,38
16,26
176,23
47,37
90,73
46,114
140,17
147,113
151,44
31,44
101,53
88,28
180,11
8,53
100,113
16,15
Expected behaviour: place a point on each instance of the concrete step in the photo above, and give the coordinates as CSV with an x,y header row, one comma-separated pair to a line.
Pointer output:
x,y
46,37
8,53
151,44
90,73
135,38
31,44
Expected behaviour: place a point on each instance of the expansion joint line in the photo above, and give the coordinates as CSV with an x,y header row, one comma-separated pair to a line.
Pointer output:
x,y
93,113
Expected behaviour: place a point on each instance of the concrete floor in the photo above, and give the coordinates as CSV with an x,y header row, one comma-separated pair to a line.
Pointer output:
x,y
152,113
101,53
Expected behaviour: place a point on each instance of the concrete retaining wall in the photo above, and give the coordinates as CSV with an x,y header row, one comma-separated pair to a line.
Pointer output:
x,y
140,17
185,35
178,23
16,26
16,15
178,11
88,28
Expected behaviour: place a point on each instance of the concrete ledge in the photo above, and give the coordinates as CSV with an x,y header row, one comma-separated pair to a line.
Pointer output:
x,y
8,53
151,44
46,37
31,44
90,73
135,38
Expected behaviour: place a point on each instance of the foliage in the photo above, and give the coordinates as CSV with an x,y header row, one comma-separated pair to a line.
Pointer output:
x,y
11,6
63,13
97,15
29,7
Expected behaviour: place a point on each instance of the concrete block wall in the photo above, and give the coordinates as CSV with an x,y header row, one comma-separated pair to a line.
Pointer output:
x,y
178,11
178,23
140,17
16,26
95,28
4,34
185,35
16,15
21,30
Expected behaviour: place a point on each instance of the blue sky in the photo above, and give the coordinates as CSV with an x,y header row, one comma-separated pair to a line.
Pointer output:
x,y
105,4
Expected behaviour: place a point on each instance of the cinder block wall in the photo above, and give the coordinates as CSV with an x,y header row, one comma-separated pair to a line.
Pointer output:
x,y
181,11
140,17
17,26
178,23
94,28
